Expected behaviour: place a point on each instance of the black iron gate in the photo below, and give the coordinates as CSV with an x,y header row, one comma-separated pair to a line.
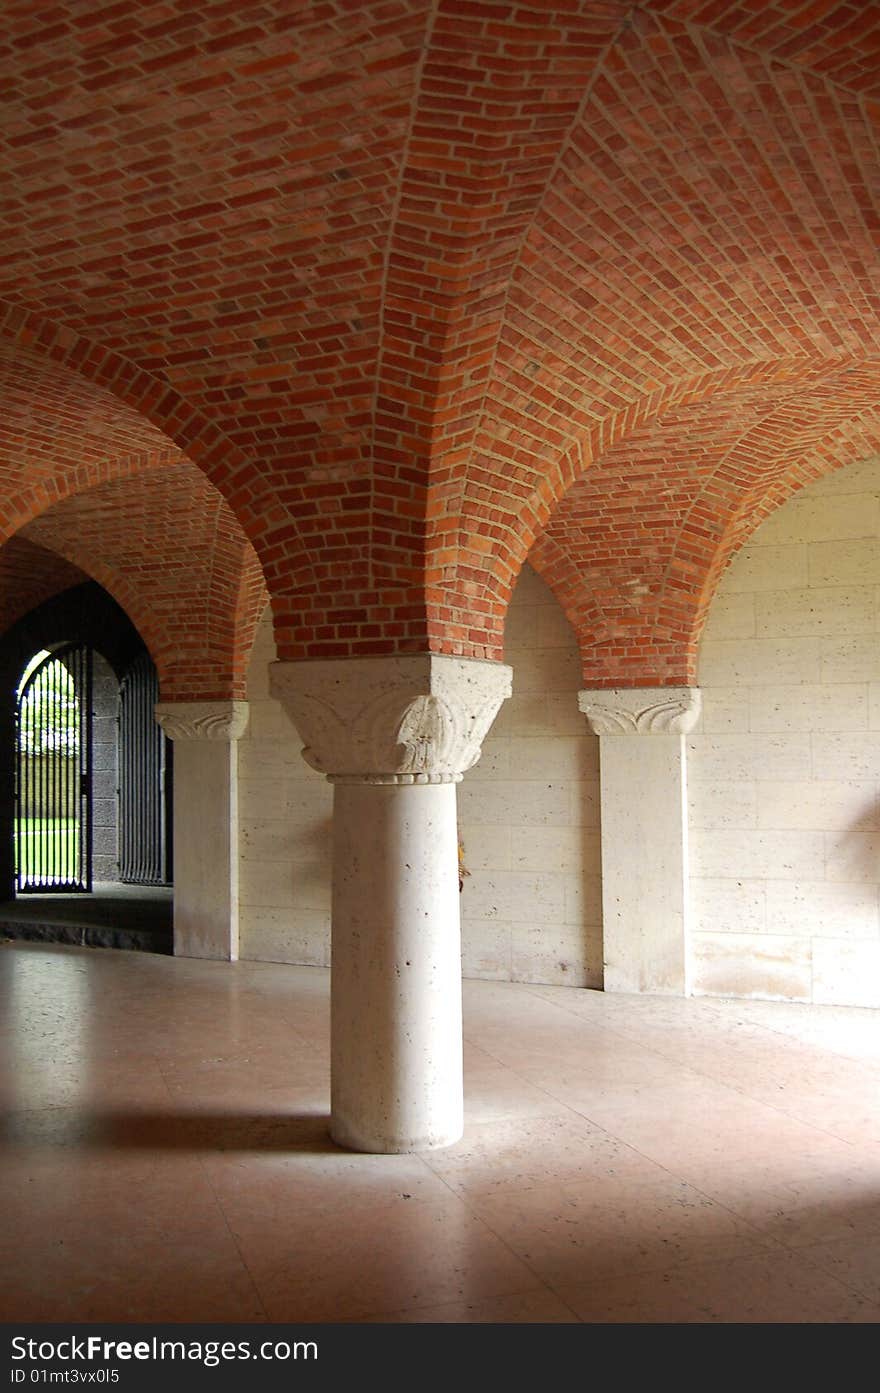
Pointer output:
x,y
144,781
53,823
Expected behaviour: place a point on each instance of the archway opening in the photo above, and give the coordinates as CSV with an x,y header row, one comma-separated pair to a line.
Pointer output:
x,y
85,780
53,773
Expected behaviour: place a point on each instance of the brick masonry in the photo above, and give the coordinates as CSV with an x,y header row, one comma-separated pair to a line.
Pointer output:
x,y
403,279
355,305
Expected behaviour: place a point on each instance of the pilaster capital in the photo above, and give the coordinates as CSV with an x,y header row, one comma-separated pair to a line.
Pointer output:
x,y
418,718
202,720
641,710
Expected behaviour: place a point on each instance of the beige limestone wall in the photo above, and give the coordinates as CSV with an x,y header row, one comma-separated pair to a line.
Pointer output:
x,y
784,768
528,816
285,827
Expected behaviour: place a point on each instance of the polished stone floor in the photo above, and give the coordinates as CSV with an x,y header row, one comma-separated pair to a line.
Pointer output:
x,y
627,1159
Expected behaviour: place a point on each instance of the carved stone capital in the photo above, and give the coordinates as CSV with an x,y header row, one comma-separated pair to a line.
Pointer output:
x,y
415,719
641,710
202,720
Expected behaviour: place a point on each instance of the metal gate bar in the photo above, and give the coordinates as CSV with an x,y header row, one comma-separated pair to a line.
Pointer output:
x,y
53,823
144,850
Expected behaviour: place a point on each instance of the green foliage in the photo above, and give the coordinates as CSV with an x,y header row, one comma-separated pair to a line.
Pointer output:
x,y
48,842
48,716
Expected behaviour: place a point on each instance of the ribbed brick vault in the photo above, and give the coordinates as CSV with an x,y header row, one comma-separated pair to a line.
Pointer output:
x,y
90,488
421,289
30,575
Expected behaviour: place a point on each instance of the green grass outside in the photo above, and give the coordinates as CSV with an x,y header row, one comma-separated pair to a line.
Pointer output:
x,y
50,846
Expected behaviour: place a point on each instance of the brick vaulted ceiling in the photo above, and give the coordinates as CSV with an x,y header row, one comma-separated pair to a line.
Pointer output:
x,y
424,288
89,487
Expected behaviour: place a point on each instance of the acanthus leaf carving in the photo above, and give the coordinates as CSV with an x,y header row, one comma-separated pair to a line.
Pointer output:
x,y
424,735
202,720
417,719
641,710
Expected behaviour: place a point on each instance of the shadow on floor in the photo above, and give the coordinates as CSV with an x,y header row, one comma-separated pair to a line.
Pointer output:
x,y
113,915
123,1130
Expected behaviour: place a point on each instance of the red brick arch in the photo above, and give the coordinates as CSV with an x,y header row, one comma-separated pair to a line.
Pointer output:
x,y
167,547
222,234
636,548
85,475
699,225
395,276
30,575
143,410
850,442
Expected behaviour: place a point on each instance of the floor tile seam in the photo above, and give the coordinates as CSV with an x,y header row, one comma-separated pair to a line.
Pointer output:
x,y
695,1315
663,1265
720,1016
603,1126
803,1122
847,1288
558,1182
604,1027
822,1131
421,1158
202,1161
212,1191
818,1266
508,1068
172,1063
567,1304
833,1050
800,1245
774,1242
541,1282
719,1265
89,1106
552,1097
456,1194
618,1036
322,1213
744,1092
665,1053
429,1305
464,1200
615,1136
605,1130
538,1284
673,1175
609,1000
562,1109
792,1035
631,1146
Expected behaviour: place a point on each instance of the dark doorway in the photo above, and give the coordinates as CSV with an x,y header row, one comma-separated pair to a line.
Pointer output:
x,y
124,795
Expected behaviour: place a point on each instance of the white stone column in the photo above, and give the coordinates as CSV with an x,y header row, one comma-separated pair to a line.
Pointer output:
x,y
394,735
205,824
643,785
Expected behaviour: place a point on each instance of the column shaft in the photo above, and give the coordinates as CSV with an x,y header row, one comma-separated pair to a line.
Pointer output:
x,y
206,849
394,734
642,777
396,968
205,736
644,863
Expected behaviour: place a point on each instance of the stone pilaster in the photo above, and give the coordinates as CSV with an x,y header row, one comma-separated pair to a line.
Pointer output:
x,y
644,833
394,735
205,824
